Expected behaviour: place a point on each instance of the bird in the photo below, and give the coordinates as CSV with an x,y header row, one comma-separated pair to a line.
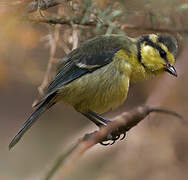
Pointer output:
x,y
94,78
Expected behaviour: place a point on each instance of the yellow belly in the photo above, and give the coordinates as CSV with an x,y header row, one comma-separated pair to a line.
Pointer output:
x,y
99,91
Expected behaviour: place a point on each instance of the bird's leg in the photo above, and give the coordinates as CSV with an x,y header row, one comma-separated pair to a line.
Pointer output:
x,y
97,122
99,117
101,121
94,120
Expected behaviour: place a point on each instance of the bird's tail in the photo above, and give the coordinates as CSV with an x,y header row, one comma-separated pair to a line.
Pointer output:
x,y
32,119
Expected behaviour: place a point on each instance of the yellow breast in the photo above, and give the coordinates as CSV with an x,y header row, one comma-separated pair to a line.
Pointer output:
x,y
100,91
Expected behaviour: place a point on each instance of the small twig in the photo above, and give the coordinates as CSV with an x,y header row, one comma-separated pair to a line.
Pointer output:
x,y
104,25
59,161
46,79
44,4
64,46
65,21
24,7
121,124
75,37
51,61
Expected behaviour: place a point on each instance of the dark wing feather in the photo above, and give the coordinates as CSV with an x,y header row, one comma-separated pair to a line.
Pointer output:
x,y
65,77
32,119
92,55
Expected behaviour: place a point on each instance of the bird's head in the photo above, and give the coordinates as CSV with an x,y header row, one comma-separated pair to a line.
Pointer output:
x,y
157,52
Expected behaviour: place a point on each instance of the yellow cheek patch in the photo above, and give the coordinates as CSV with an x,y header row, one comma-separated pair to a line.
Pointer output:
x,y
151,58
148,50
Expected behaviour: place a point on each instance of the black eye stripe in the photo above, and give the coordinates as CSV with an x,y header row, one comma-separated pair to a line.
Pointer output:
x,y
162,53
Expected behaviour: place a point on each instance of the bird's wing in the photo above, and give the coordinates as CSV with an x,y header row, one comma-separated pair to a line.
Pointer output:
x,y
92,55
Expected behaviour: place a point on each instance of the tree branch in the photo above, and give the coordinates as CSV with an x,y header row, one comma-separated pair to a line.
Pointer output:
x,y
29,6
65,21
120,124
77,21
42,4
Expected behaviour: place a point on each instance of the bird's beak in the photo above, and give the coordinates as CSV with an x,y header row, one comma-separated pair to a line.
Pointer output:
x,y
170,69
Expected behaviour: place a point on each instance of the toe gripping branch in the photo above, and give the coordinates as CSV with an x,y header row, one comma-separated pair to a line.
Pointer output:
x,y
103,122
114,139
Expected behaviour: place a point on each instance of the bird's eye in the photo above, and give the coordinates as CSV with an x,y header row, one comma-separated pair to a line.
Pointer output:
x,y
162,53
147,44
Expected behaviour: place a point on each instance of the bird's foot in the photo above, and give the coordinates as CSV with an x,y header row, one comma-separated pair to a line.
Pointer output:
x,y
113,138
102,122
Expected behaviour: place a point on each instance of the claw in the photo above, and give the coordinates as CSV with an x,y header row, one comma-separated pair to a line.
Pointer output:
x,y
116,138
113,142
104,144
123,137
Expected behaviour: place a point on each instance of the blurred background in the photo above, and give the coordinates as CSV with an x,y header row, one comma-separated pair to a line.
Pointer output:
x,y
156,149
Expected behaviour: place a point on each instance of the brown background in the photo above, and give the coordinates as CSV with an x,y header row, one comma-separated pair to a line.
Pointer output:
x,y
156,149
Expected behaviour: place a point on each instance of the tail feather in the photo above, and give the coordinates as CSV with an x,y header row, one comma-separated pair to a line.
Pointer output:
x,y
32,119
